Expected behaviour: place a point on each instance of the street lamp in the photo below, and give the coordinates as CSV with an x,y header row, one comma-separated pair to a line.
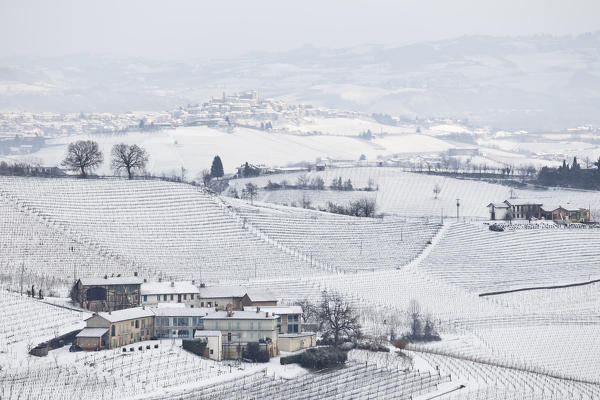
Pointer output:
x,y
457,206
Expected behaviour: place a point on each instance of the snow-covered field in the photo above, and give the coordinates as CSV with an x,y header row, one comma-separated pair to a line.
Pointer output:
x,y
525,345
411,194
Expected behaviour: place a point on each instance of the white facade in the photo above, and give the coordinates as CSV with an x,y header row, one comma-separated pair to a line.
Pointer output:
x,y
154,293
214,343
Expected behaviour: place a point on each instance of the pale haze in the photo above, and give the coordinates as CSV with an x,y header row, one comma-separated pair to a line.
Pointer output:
x,y
200,30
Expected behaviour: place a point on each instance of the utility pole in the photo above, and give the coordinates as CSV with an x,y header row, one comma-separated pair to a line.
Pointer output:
x,y
21,280
442,216
457,206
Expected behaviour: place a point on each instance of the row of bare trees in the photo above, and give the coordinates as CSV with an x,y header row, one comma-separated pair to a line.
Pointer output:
x,y
84,156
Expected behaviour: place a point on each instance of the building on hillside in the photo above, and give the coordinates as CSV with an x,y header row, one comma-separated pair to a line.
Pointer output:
x,y
289,317
220,296
258,297
122,327
154,293
238,328
499,211
214,344
289,325
108,293
527,210
178,322
520,209
563,214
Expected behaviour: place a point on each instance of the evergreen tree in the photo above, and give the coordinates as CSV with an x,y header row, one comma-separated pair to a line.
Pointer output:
x,y
216,170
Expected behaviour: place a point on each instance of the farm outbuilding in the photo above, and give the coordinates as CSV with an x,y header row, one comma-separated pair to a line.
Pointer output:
x,y
108,293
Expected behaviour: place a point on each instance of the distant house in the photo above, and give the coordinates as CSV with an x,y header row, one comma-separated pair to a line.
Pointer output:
x,y
289,317
256,297
108,293
154,293
526,210
178,322
214,344
220,296
498,211
238,328
320,167
118,328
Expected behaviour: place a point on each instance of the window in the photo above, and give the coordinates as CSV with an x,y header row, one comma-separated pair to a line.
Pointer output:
x,y
292,328
229,325
238,325
131,323
252,335
216,305
192,296
165,297
202,304
211,351
209,304
145,298
171,297
112,330
143,323
158,297
137,323
183,321
185,296
259,325
217,325
251,325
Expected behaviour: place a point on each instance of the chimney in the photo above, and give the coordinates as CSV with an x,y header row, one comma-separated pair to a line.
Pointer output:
x,y
145,280
172,284
267,314
135,273
105,276
193,282
109,312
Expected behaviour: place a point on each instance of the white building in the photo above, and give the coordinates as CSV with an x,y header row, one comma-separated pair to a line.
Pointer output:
x,y
214,343
154,293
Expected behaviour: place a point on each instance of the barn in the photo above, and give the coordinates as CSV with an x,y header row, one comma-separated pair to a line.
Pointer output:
x,y
107,294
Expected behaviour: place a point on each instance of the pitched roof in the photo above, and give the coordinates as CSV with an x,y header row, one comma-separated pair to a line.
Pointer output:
x,y
260,295
166,288
180,311
222,291
126,314
114,280
92,332
277,310
252,315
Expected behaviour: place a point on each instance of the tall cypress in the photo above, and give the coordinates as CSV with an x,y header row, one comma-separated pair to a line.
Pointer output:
x,y
216,170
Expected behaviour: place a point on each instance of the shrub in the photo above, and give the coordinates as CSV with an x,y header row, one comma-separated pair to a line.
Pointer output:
x,y
255,354
195,346
321,357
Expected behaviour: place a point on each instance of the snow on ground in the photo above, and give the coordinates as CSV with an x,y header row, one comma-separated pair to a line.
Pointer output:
x,y
411,194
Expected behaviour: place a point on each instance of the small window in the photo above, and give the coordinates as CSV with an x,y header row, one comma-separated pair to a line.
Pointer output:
x,y
158,297
185,296
202,304
211,351
192,296
145,298
131,323
137,323
171,297
165,297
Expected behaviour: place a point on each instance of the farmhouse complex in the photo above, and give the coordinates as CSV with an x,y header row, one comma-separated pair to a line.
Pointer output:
x,y
527,210
129,311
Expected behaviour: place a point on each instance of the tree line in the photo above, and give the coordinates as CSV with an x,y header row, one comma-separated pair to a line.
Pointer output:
x,y
571,175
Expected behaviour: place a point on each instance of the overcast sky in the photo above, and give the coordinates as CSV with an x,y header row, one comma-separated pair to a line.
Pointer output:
x,y
214,29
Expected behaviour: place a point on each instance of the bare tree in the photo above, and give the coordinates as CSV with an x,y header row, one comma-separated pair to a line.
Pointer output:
x,y
128,158
206,176
309,310
436,190
250,191
337,318
83,156
302,181
414,319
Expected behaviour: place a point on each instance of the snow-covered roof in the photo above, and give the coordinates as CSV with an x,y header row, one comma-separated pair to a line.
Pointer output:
x,y
181,311
498,205
260,295
207,334
277,310
150,288
126,314
239,315
92,332
115,280
212,292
